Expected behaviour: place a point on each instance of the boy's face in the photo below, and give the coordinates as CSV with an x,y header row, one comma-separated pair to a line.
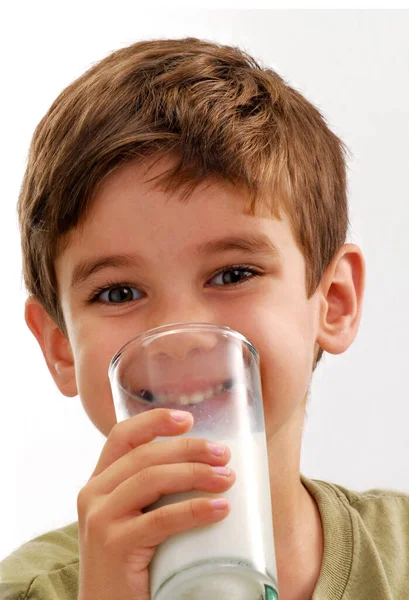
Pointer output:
x,y
167,278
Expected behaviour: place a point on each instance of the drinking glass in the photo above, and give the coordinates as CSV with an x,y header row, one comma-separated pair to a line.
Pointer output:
x,y
212,372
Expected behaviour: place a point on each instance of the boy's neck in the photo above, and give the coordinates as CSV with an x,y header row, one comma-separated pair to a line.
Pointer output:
x,y
298,533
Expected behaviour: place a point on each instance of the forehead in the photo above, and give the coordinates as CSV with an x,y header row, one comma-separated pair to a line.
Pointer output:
x,y
128,210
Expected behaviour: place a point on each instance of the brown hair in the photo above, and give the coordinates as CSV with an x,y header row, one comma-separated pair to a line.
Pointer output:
x,y
212,106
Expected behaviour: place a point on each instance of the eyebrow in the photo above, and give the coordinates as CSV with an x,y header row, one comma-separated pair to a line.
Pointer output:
x,y
254,243
249,242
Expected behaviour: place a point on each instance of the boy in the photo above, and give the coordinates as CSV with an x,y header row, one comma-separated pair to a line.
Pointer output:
x,y
166,166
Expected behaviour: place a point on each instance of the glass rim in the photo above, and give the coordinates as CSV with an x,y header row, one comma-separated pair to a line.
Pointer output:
x,y
175,328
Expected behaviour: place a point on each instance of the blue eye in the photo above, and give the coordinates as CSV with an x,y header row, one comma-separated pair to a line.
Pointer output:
x,y
117,294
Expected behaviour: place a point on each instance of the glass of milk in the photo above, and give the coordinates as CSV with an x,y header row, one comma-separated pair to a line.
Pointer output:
x,y
212,372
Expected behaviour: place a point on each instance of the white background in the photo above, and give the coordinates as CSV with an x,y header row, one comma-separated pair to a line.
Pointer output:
x,y
354,65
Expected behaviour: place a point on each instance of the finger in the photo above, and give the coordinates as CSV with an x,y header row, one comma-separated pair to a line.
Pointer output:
x,y
137,430
148,486
153,528
179,450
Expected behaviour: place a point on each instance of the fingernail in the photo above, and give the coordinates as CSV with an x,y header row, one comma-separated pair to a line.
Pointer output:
x,y
179,415
219,503
217,449
225,471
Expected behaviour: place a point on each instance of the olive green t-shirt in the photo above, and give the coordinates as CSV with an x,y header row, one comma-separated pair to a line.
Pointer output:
x,y
366,551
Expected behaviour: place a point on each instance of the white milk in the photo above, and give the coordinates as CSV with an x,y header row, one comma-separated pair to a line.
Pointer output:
x,y
246,534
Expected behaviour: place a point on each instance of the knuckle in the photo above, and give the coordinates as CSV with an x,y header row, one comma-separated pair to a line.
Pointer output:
x,y
145,477
94,522
193,510
109,542
194,470
95,517
160,518
189,445
116,432
82,501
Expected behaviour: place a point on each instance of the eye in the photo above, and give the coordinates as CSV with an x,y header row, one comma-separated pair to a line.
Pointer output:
x,y
116,294
235,275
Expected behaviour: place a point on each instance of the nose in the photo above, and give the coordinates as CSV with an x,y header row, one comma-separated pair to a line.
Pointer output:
x,y
180,344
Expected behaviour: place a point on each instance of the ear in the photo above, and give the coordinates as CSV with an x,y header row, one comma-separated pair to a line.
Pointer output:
x,y
54,345
341,297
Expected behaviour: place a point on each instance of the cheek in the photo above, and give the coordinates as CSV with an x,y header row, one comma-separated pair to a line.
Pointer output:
x,y
286,346
93,350
285,365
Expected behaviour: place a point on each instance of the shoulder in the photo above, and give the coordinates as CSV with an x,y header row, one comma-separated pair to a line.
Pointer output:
x,y
385,515
384,510
366,537
370,503
358,500
48,563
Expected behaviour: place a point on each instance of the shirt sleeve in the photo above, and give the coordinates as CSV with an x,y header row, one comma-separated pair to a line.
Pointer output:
x,y
46,568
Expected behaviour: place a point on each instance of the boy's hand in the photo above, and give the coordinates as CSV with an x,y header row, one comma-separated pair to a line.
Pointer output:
x,y
117,540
